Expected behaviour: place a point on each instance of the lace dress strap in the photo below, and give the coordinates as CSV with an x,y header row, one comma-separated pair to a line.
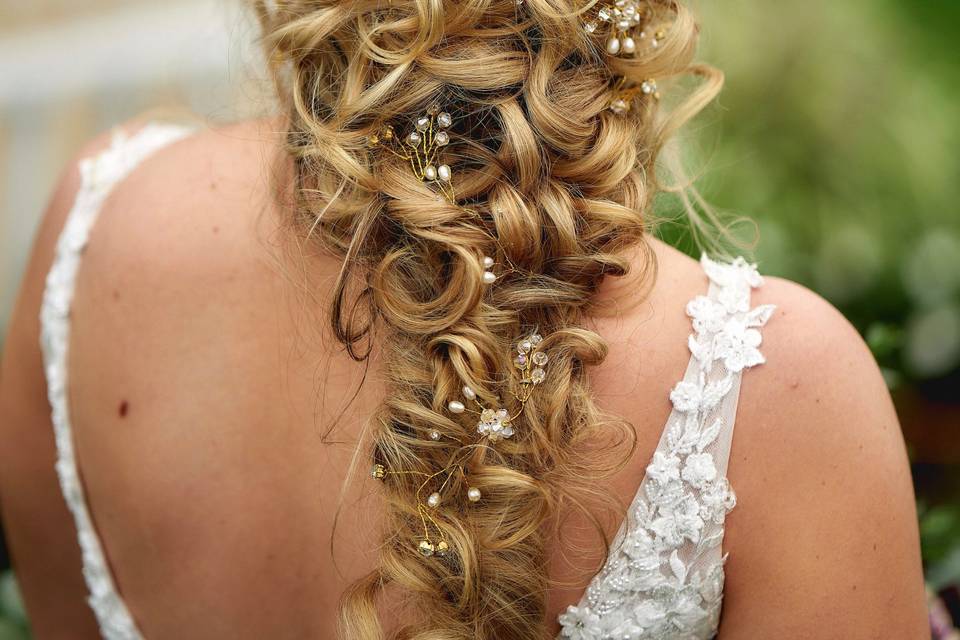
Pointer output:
x,y
98,174
663,577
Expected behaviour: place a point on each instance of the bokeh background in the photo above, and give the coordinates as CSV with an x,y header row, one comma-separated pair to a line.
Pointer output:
x,y
837,134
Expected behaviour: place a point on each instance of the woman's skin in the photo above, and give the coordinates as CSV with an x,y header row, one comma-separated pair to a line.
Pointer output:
x,y
204,386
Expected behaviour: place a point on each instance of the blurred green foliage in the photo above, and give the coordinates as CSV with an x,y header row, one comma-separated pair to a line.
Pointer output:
x,y
836,133
13,618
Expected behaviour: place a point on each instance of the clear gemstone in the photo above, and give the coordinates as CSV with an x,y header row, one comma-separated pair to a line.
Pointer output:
x,y
442,138
538,375
413,138
540,358
444,120
422,123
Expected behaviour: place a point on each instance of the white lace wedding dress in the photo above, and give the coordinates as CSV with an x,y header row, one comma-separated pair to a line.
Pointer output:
x,y
664,576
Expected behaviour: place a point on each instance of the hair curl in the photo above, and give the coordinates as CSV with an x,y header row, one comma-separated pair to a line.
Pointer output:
x,y
551,182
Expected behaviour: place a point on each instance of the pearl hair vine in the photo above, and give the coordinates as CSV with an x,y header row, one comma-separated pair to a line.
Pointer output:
x,y
493,424
625,22
421,148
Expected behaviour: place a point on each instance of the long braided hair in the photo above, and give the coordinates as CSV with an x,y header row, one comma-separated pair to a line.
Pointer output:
x,y
554,181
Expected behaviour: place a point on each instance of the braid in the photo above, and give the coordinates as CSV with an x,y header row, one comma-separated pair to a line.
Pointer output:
x,y
550,183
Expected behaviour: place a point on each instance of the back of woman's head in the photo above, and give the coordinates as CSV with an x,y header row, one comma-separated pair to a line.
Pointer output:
x,y
552,153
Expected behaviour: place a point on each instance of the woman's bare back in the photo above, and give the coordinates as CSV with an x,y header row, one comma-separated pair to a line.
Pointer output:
x,y
216,418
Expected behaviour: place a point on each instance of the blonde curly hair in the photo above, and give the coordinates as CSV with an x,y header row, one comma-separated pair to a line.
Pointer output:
x,y
550,181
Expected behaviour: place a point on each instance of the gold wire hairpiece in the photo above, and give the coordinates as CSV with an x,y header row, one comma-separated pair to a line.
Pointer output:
x,y
624,94
494,423
421,148
627,24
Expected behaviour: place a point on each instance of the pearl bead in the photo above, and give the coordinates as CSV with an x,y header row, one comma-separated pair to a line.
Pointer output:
x,y
489,277
469,393
434,435
473,494
487,262
456,406
629,46
443,172
434,500
430,173
613,46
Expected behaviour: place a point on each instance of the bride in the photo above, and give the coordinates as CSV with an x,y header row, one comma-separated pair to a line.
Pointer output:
x,y
405,361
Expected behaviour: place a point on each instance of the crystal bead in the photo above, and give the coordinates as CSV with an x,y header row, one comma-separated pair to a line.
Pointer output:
x,y
442,138
520,361
444,120
488,415
619,106
536,339
422,123
434,435
540,358
524,346
538,375
413,138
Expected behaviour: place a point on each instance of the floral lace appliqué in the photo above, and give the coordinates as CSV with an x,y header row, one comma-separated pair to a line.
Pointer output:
x,y
663,578
98,175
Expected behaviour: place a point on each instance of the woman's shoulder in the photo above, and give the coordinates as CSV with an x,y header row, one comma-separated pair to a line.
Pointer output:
x,y
826,520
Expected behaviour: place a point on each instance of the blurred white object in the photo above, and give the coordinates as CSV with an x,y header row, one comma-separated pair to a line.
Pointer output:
x,y
933,341
67,77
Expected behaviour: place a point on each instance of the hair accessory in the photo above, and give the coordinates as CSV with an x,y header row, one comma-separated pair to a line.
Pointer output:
x,y
624,94
421,148
494,423
626,22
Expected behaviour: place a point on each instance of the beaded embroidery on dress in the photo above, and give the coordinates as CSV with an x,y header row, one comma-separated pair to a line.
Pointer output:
x,y
98,175
663,578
